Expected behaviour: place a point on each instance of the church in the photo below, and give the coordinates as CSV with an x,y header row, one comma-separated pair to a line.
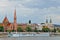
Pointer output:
x,y
10,26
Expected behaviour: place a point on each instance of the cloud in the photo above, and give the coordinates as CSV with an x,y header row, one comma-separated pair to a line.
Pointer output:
x,y
40,14
36,10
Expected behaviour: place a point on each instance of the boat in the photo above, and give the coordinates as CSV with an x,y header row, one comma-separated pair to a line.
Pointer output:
x,y
18,35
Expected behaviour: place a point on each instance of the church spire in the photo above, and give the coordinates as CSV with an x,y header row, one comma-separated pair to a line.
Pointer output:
x,y
15,23
15,16
50,20
46,20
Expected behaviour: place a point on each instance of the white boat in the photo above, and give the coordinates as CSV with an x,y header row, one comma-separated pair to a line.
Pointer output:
x,y
18,35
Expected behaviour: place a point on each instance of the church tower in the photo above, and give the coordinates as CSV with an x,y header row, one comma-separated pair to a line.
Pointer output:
x,y
50,20
29,21
15,23
46,20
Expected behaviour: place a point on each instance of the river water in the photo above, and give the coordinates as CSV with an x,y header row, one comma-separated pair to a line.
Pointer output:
x,y
31,38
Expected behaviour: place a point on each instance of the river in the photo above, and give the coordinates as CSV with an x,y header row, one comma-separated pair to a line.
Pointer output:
x,y
31,38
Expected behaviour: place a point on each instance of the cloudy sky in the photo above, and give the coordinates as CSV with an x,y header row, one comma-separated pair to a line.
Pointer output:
x,y
36,10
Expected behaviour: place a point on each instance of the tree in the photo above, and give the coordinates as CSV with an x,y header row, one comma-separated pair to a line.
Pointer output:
x,y
35,30
54,30
8,30
28,29
19,29
13,31
1,29
58,30
45,29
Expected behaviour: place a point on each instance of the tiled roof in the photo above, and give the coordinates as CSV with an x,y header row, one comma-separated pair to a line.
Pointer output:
x,y
5,19
8,24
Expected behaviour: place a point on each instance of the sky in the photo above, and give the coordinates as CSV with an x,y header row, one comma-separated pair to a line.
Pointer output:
x,y
35,10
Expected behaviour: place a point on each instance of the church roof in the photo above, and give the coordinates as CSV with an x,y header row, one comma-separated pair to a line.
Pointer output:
x,y
8,24
5,20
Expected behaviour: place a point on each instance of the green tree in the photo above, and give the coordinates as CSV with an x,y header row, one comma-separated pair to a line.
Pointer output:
x,y
54,30
8,30
19,29
1,29
35,30
45,29
13,31
28,29
58,30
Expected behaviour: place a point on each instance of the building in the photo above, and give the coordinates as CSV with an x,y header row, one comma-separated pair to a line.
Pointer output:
x,y
48,24
10,26
13,26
